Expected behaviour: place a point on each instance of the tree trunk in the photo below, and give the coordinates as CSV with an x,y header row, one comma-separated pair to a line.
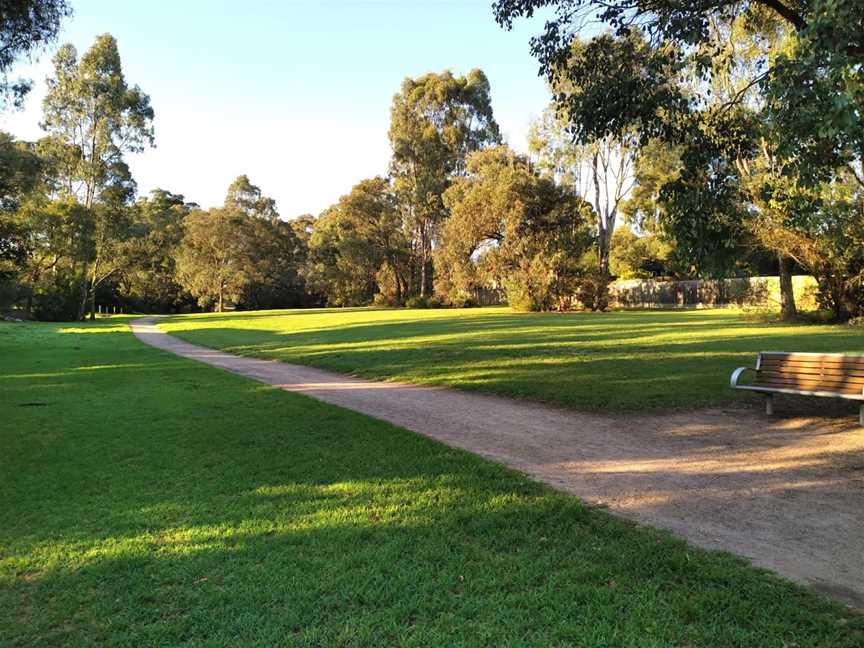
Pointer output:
x,y
85,290
92,300
219,305
603,245
788,311
424,264
398,288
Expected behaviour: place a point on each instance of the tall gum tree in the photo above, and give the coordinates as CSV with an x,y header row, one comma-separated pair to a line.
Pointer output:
x,y
436,121
93,117
600,172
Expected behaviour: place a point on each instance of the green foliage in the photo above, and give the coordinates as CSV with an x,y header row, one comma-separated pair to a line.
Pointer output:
x,y
436,121
272,265
357,246
639,257
423,302
93,117
212,257
762,101
600,172
26,26
147,278
243,196
510,227
241,255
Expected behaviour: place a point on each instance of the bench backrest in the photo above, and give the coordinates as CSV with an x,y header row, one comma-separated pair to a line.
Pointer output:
x,y
811,372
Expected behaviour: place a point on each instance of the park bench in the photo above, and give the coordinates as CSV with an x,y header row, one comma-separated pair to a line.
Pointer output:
x,y
830,375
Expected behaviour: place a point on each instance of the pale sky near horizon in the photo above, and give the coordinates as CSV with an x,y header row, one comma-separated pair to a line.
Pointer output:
x,y
295,94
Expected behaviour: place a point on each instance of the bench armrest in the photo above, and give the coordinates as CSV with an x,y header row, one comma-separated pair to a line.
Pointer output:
x,y
733,380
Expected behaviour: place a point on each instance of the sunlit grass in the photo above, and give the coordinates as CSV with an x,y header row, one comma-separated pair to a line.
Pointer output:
x,y
618,360
147,500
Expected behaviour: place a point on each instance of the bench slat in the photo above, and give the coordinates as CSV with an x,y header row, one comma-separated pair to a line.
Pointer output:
x,y
817,361
808,387
813,363
839,357
770,374
822,385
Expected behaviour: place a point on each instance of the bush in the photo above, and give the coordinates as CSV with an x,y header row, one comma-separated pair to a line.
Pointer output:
x,y
593,291
382,300
423,302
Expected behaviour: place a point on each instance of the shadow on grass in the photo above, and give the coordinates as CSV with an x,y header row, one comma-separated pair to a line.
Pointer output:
x,y
589,366
139,510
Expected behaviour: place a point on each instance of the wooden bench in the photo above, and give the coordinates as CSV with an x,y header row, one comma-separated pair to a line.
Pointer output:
x,y
831,375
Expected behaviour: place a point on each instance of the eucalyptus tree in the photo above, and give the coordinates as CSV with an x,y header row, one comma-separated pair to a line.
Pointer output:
x,y
93,117
436,121
600,172
631,73
246,197
19,174
148,276
212,258
512,227
358,246
763,97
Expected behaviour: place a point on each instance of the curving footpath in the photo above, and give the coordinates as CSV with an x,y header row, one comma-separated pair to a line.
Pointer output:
x,y
786,493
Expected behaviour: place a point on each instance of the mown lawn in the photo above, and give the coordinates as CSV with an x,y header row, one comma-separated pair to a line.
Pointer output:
x,y
618,360
147,500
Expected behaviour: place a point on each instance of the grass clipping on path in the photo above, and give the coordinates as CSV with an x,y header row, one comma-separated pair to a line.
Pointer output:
x,y
149,500
601,361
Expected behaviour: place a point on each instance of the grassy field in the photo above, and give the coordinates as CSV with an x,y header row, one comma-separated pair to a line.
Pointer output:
x,y
149,500
618,360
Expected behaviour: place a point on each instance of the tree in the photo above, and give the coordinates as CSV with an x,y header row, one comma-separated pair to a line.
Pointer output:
x,y
600,172
20,170
26,26
436,121
358,245
212,258
642,257
148,276
764,97
272,261
245,197
93,118
242,253
511,227
57,236
634,72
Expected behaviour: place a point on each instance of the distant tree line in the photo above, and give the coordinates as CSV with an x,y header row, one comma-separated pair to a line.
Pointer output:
x,y
669,148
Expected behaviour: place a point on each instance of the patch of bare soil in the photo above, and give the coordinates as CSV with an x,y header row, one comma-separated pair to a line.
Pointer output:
x,y
785,492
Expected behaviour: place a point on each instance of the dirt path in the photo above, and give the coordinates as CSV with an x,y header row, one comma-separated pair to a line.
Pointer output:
x,y
785,492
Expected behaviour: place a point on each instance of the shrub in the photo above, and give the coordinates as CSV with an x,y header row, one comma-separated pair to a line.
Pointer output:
x,y
423,302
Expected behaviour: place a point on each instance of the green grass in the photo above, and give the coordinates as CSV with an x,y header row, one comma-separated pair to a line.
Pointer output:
x,y
149,500
618,360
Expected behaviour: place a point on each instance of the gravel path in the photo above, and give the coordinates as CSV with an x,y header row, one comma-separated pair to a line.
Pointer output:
x,y
785,492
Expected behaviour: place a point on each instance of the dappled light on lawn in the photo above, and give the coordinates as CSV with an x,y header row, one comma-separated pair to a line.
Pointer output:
x,y
616,360
157,499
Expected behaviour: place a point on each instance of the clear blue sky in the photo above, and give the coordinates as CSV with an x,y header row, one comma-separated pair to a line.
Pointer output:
x,y
294,94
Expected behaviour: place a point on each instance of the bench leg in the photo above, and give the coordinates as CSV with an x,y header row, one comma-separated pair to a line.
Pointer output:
x,y
769,404
861,415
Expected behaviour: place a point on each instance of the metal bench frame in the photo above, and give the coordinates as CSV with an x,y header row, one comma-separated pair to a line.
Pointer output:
x,y
770,391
